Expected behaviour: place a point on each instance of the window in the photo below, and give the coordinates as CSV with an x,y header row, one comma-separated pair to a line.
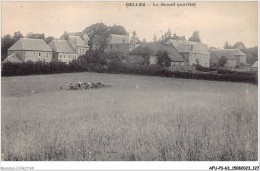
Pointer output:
x,y
191,47
46,54
39,54
117,46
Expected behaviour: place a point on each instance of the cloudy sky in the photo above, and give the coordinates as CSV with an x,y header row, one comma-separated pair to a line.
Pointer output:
x,y
217,22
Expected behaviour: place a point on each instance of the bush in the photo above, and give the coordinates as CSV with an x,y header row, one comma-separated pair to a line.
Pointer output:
x,y
16,69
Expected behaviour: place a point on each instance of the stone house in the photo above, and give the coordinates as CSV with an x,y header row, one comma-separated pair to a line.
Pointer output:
x,y
255,65
174,57
234,57
26,49
79,45
62,51
120,43
192,52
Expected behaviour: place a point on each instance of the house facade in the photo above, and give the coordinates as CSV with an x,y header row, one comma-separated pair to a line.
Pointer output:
x,y
120,43
234,57
192,52
174,58
78,44
33,50
62,51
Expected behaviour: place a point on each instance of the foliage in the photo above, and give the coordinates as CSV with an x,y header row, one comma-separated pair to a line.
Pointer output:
x,y
239,45
35,36
251,54
91,58
89,64
195,37
48,39
222,61
227,46
155,38
99,33
134,38
7,41
163,58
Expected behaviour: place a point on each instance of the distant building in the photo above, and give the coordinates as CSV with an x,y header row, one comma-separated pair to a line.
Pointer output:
x,y
26,49
83,35
120,43
255,65
63,51
174,57
79,45
192,52
234,57
68,49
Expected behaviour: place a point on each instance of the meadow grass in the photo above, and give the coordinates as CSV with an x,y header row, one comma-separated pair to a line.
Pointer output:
x,y
138,118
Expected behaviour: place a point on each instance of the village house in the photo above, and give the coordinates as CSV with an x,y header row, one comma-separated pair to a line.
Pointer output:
x,y
234,57
63,51
25,50
82,35
67,50
120,43
255,65
174,58
79,45
192,52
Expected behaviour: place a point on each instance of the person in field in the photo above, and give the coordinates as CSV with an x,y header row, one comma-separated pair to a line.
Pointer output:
x,y
79,83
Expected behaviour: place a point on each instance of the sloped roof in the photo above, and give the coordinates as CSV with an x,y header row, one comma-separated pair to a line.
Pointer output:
x,y
13,58
61,46
186,46
118,39
30,44
77,41
173,54
80,34
230,54
255,65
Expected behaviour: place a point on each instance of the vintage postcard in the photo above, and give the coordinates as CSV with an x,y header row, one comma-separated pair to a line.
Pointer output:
x,y
129,81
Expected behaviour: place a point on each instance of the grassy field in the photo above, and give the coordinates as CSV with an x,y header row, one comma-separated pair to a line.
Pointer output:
x,y
138,118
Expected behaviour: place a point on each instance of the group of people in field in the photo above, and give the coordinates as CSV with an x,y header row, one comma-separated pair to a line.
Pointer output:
x,y
85,85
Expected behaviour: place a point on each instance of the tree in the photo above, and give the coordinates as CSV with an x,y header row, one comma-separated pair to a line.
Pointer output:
x,y
251,54
195,37
163,58
91,58
36,35
99,33
117,29
7,41
154,38
169,34
17,36
144,40
227,46
48,39
239,45
134,38
222,61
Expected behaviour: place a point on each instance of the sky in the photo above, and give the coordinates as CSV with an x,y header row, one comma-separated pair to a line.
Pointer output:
x,y
217,22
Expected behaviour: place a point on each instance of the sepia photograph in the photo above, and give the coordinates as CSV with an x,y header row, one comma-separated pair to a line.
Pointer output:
x,y
129,81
